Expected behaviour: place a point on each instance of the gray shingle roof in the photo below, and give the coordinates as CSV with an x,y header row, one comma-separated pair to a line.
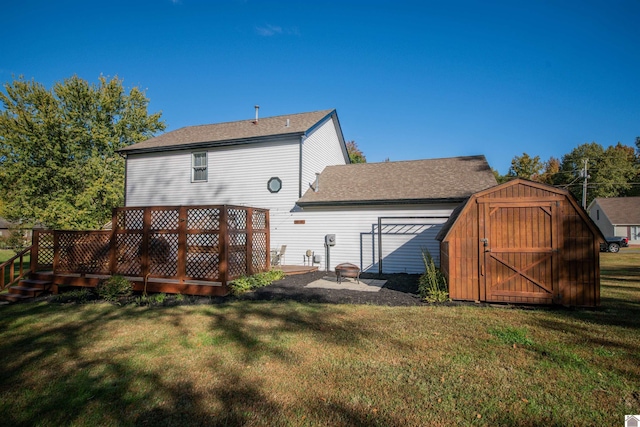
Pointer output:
x,y
232,131
453,178
621,210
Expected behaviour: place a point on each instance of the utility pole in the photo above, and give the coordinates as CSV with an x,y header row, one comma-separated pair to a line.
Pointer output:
x,y
584,175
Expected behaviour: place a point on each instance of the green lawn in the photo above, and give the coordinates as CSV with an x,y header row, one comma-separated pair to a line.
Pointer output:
x,y
291,364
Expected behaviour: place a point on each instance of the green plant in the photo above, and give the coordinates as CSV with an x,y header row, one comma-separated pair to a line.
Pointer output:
x,y
16,240
114,288
432,285
248,283
155,299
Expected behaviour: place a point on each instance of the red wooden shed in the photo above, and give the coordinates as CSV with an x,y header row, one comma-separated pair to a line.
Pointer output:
x,y
522,242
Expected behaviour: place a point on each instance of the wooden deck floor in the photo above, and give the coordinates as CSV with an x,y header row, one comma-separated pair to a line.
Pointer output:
x,y
290,270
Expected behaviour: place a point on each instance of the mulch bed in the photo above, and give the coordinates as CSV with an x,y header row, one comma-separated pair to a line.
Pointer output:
x,y
400,290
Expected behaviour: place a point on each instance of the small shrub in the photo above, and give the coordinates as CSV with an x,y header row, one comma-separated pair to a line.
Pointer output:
x,y
432,285
248,283
114,288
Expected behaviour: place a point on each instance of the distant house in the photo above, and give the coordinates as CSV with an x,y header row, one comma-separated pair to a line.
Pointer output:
x,y
5,228
297,166
617,216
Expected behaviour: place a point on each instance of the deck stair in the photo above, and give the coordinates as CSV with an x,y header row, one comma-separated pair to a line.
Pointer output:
x,y
25,290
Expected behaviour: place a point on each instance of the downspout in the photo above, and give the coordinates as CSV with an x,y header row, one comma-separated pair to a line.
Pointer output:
x,y
302,138
125,176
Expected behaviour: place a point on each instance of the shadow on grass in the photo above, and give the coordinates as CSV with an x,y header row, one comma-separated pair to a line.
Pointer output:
x,y
53,376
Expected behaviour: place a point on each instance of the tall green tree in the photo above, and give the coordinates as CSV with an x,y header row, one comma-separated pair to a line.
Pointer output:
x,y
525,166
551,168
355,154
58,160
611,171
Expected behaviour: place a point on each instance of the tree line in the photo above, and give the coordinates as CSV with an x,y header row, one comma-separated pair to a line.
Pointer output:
x,y
611,172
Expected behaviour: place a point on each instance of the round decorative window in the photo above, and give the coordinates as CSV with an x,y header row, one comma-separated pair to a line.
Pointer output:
x,y
274,185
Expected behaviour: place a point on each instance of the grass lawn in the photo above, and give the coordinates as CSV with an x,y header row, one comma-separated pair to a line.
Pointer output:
x,y
285,363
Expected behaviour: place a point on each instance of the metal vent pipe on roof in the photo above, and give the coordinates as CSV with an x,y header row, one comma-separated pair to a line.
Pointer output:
x,y
257,108
317,186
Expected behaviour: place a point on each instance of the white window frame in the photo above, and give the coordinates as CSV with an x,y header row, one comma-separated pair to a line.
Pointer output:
x,y
195,167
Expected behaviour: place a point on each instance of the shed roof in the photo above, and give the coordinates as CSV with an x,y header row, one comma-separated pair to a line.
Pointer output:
x,y
620,210
230,132
414,181
446,228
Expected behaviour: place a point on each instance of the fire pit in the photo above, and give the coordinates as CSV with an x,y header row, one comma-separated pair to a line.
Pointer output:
x,y
347,270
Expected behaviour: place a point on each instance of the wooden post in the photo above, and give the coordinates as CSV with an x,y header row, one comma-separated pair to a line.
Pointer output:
x,y
113,247
182,243
146,225
249,242
56,251
224,246
268,241
35,246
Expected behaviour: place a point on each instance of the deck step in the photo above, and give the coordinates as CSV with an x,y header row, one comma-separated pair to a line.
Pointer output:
x,y
35,283
14,297
25,290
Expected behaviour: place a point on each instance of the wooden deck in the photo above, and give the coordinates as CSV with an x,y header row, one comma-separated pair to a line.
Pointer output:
x,y
291,270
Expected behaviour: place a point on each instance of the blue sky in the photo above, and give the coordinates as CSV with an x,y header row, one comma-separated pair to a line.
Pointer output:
x,y
410,79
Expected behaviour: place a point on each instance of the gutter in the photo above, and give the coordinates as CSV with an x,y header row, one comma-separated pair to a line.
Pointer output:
x,y
381,202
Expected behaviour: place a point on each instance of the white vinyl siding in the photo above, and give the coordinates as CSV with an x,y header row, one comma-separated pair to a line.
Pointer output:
x,y
602,221
320,149
199,166
236,175
356,230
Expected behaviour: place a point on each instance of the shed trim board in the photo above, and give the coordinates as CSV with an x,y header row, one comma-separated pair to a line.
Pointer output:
x,y
522,242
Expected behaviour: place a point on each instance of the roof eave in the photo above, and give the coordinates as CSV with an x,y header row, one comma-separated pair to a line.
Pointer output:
x,y
429,201
211,144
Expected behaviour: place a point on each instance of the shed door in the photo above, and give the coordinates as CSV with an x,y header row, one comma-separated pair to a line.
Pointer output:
x,y
519,254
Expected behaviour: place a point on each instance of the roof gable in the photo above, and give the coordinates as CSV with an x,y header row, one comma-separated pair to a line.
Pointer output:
x,y
233,132
536,189
620,210
419,181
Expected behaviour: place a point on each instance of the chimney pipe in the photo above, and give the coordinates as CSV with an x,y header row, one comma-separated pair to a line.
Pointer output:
x,y
317,186
257,108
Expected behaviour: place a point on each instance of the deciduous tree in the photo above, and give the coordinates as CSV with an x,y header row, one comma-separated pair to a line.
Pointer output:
x,y
611,171
355,154
525,166
58,156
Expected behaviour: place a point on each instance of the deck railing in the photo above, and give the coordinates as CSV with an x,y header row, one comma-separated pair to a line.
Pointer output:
x,y
215,243
8,274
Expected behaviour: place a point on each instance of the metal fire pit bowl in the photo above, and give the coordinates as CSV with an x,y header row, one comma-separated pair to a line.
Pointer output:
x,y
347,270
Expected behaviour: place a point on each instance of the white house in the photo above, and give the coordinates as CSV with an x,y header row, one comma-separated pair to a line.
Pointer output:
x,y
297,166
617,216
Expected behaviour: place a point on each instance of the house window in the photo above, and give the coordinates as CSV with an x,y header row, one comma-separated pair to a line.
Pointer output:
x,y
274,185
598,214
199,167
